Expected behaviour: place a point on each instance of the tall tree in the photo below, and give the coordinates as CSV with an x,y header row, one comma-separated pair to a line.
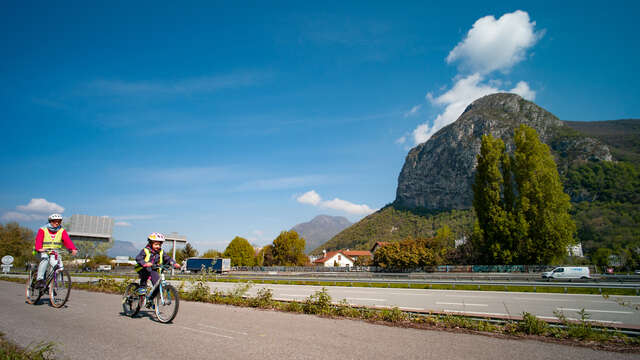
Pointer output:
x,y
288,249
494,240
523,213
265,256
541,202
240,252
184,253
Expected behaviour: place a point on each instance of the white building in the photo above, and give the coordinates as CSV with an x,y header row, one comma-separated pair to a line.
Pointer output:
x,y
335,258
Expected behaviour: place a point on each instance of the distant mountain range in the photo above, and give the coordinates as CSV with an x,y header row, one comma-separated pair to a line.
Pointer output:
x,y
123,248
599,163
320,229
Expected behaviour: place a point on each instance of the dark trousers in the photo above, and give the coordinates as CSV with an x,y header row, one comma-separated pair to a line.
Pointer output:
x,y
145,274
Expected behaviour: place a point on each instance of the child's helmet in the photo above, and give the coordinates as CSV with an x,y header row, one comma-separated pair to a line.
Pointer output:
x,y
55,217
155,237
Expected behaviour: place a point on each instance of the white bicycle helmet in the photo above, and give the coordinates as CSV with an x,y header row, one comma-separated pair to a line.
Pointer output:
x,y
55,217
155,237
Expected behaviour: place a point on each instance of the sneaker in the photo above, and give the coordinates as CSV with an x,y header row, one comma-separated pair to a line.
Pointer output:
x,y
141,291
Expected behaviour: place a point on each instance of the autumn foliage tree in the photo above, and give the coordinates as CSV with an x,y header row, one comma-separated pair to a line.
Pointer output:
x,y
288,249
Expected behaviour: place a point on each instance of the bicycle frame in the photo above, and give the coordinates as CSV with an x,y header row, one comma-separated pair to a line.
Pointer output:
x,y
161,282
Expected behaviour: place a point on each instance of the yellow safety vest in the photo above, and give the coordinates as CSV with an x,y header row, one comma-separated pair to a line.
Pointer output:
x,y
147,257
51,242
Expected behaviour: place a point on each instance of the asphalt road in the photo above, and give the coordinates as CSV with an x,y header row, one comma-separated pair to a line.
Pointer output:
x,y
91,326
482,303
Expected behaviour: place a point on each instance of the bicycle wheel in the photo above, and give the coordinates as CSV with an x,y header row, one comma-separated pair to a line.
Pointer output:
x,y
131,300
167,304
32,294
60,288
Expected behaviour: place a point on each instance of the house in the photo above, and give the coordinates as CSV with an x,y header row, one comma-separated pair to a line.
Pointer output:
x,y
335,258
363,255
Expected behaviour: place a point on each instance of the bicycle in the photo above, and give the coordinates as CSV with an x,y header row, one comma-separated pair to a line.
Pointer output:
x,y
57,282
165,302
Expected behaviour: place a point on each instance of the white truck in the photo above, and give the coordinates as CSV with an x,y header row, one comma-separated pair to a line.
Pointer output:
x,y
567,272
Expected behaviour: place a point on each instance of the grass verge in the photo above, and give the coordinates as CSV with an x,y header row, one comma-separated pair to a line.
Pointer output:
x,y
11,351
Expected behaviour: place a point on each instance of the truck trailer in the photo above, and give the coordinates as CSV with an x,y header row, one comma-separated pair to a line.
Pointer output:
x,y
218,265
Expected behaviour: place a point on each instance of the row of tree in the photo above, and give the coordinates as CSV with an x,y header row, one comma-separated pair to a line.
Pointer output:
x,y
286,250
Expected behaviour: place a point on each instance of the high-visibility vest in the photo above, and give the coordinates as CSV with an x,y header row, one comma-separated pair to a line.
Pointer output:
x,y
147,257
51,242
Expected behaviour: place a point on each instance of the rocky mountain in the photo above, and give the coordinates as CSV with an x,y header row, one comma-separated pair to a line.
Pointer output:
x,y
123,248
437,174
434,186
320,229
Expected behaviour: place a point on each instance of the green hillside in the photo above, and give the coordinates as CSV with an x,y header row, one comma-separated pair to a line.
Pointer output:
x,y
395,224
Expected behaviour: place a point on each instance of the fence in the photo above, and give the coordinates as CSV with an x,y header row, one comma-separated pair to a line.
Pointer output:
x,y
432,269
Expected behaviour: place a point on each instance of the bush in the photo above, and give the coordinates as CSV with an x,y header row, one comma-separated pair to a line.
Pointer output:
x,y
318,303
263,299
532,325
394,315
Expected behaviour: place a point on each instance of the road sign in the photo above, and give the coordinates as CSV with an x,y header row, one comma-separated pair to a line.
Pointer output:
x,y
6,268
7,260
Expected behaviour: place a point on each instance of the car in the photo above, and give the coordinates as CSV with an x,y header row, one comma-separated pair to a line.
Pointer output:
x,y
567,272
104,268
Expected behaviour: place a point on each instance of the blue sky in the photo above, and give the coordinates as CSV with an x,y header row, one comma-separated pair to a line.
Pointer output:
x,y
217,120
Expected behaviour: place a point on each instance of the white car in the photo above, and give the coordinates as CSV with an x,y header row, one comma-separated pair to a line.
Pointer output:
x,y
104,268
567,272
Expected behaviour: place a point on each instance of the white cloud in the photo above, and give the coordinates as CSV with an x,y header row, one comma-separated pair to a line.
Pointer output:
x,y
348,207
523,89
310,197
401,140
17,216
496,44
464,92
313,198
36,210
122,223
41,206
414,110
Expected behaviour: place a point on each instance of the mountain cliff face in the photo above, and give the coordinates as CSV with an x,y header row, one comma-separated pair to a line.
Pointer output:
x,y
438,174
320,229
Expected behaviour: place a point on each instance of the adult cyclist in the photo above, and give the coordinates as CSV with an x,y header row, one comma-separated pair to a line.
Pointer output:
x,y
51,237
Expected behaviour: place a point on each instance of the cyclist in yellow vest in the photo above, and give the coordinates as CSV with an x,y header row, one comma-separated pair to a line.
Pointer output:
x,y
51,237
150,255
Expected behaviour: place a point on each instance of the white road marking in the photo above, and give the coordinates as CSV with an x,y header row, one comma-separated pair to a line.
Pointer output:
x,y
598,311
294,295
460,304
365,299
474,312
206,332
223,329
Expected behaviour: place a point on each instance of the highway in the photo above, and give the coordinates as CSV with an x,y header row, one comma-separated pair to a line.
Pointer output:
x,y
482,303
91,326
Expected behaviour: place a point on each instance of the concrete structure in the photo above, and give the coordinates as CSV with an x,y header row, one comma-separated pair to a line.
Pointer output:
x,y
175,238
90,228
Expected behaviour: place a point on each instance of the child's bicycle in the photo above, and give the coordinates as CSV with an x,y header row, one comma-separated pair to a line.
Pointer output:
x,y
165,302
57,282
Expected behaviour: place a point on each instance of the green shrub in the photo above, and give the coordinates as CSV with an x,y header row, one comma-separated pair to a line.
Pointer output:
x,y
263,299
318,303
532,325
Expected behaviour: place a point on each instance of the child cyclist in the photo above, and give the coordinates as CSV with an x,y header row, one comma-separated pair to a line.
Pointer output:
x,y
51,237
150,255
